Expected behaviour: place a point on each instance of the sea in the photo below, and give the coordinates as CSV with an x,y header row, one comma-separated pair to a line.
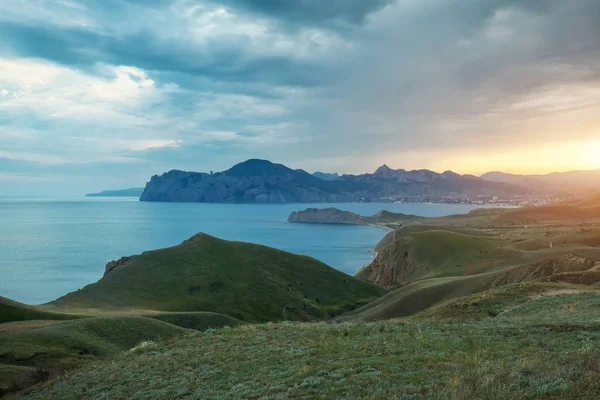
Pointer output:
x,y
52,246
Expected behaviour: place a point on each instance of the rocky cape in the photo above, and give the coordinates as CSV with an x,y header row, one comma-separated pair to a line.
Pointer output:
x,y
132,192
260,181
337,216
327,216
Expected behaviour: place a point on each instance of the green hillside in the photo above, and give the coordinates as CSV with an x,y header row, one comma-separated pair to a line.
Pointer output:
x,y
503,302
435,252
199,320
426,265
11,311
28,356
242,280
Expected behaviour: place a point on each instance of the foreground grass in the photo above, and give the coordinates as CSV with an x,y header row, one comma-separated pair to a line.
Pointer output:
x,y
28,356
498,358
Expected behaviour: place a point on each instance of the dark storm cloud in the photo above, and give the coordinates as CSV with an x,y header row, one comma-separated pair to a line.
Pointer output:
x,y
312,11
224,58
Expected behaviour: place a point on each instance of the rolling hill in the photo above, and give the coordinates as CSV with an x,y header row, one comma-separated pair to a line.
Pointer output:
x,y
30,355
242,280
11,311
436,252
433,260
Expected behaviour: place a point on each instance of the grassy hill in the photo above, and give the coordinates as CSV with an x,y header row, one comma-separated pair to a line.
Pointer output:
x,y
429,252
29,356
415,297
503,302
11,311
439,259
242,280
199,320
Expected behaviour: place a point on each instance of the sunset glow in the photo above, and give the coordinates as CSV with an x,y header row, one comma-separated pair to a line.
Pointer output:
x,y
538,160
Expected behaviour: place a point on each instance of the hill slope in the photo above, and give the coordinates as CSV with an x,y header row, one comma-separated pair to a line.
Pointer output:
x,y
434,252
11,311
28,356
549,356
242,280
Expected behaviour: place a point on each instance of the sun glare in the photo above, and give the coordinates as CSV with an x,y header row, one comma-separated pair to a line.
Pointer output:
x,y
596,155
539,160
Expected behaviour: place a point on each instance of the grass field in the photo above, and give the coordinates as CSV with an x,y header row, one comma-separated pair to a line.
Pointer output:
x,y
492,358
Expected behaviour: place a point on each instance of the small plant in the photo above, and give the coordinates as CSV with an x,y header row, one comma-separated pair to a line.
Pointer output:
x,y
210,331
39,375
144,346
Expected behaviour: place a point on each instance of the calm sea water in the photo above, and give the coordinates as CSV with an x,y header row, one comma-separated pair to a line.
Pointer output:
x,y
49,247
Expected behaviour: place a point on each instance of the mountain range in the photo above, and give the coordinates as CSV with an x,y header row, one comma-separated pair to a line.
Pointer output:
x,y
568,181
326,176
261,181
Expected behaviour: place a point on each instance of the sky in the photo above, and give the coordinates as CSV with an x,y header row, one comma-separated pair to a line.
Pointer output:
x,y
103,94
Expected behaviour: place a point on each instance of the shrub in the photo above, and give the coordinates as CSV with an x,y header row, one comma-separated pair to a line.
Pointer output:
x,y
144,346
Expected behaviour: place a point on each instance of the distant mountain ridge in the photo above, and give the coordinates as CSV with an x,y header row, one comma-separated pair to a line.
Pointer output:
x,y
326,176
582,180
261,181
132,192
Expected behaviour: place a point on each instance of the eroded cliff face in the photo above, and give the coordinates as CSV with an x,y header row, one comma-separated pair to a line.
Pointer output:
x,y
392,265
327,216
113,265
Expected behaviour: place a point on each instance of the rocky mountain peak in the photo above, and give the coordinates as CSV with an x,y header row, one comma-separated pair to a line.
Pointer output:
x,y
384,171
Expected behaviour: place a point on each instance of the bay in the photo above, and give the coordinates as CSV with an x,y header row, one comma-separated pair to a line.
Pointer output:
x,y
49,247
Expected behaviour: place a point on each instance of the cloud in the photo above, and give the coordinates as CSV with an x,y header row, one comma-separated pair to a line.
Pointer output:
x,y
312,11
147,86
198,40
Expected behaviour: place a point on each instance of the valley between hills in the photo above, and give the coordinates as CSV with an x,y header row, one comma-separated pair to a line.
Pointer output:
x,y
497,303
